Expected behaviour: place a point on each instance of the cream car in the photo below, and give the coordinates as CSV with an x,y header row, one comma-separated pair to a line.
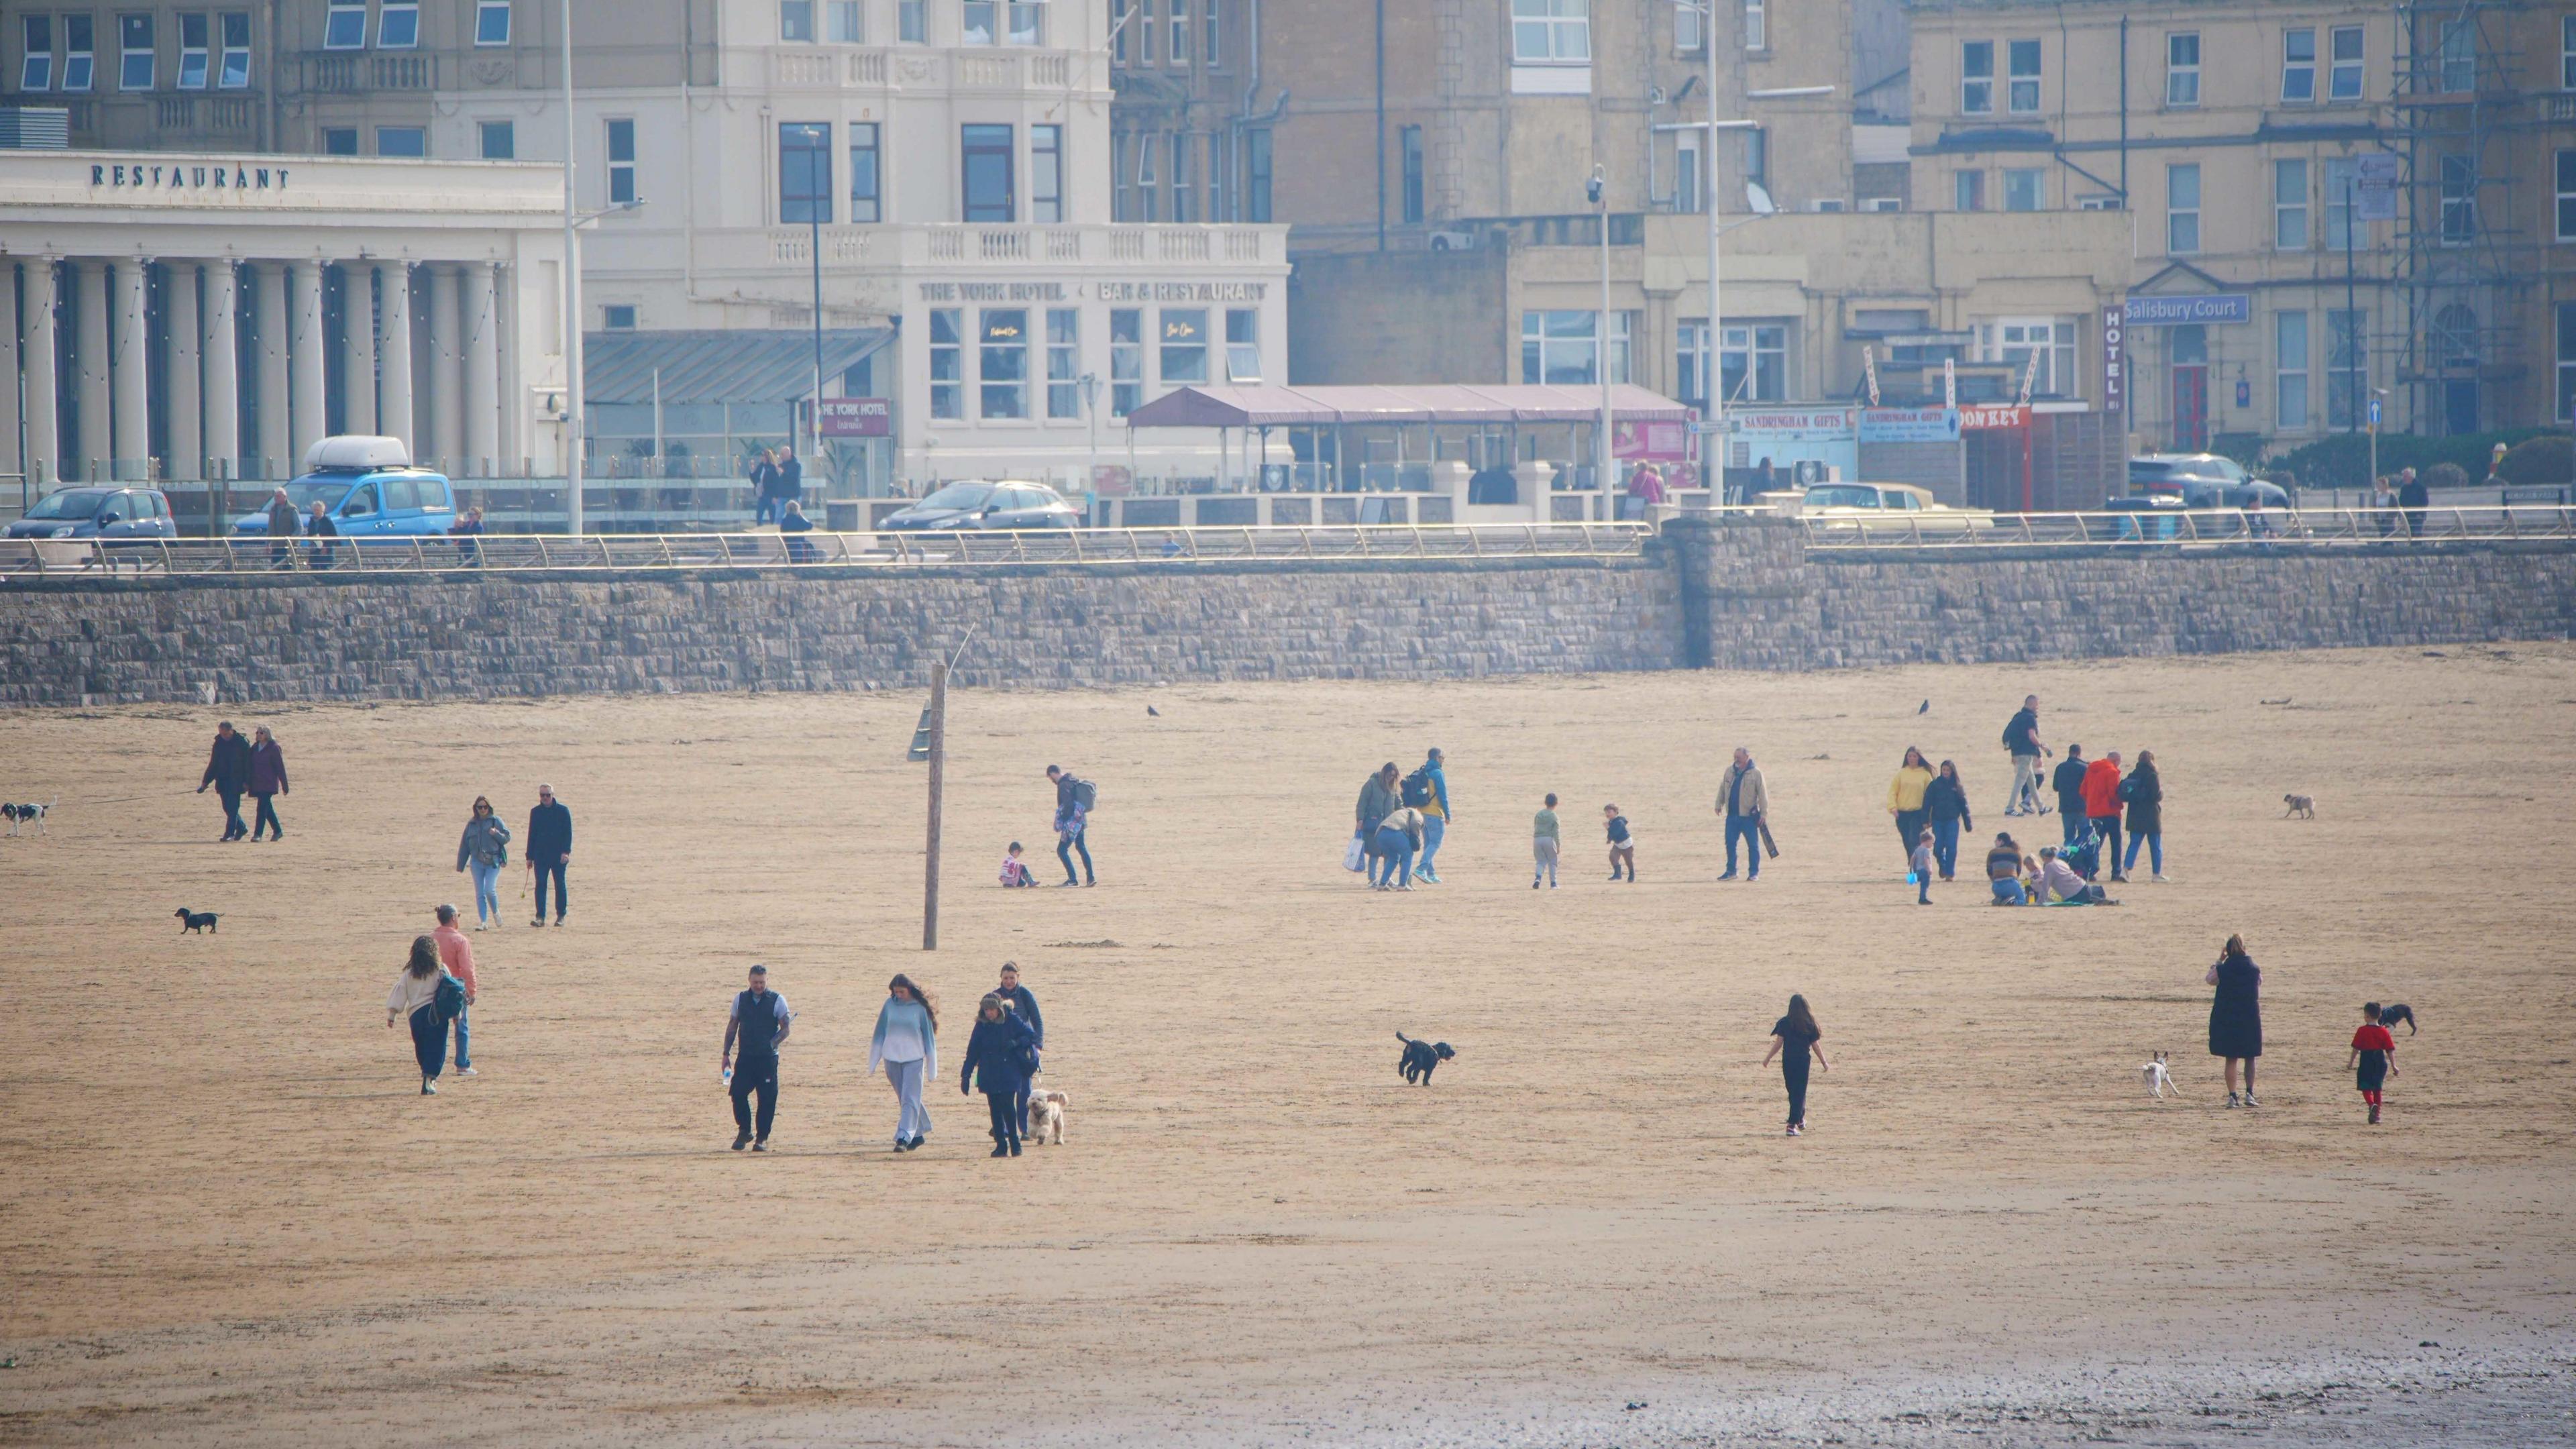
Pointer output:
x,y
1887,506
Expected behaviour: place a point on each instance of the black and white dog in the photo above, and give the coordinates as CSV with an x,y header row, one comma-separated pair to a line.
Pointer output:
x,y
20,816
1420,1059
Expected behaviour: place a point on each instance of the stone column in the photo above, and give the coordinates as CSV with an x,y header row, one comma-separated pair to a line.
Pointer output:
x,y
36,358
309,422
179,310
358,347
132,371
89,368
446,370
481,346
11,461
276,431
393,283
222,362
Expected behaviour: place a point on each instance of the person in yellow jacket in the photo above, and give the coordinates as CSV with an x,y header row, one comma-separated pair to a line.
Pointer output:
x,y
1905,799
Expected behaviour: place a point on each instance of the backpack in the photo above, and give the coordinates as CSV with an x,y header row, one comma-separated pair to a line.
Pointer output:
x,y
1086,795
1417,787
449,1001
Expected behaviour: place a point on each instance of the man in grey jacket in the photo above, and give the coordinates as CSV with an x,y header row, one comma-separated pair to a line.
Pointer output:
x,y
1744,802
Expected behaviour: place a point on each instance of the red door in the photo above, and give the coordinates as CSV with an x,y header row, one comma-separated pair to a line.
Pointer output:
x,y
2191,407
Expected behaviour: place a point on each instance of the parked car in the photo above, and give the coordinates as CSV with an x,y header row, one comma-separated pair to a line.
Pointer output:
x,y
961,506
1886,506
2203,480
108,513
369,488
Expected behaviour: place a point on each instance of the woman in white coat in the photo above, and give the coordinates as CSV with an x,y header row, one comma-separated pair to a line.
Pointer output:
x,y
906,1044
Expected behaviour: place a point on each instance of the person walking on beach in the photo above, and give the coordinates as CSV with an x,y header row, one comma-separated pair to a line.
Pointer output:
x,y
1905,799
997,1054
415,996
267,782
2021,738
484,850
2374,1058
906,1044
1023,1003
1623,842
2067,783
2144,793
1546,838
1434,805
1946,801
228,770
2236,1016
1744,801
1072,818
2102,808
549,850
456,958
1924,863
748,1063
1792,1038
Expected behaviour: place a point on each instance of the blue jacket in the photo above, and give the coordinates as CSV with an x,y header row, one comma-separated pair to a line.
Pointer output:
x,y
549,833
1000,1049
1022,998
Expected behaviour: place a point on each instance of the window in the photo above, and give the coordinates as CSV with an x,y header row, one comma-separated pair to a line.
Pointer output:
x,y
947,363
845,25
1025,18
2566,230
2347,358
621,163
1753,362
2567,52
1122,18
978,25
1149,184
79,53
1145,32
37,72
2182,209
1690,363
234,74
339,140
2015,341
912,25
2459,55
618,317
2459,200
1185,194
2343,80
2454,342
398,25
2023,57
491,22
804,170
1216,176
1551,32
1180,47
1002,364
1183,354
401,141
1560,347
1756,37
193,52
134,52
344,25
2182,69
1686,30
985,160
1126,360
796,20
1242,344
1969,190
867,187
2566,361
1256,175
1064,362
1211,44
2021,189
2298,66
1689,175
2289,206
2340,184
1977,77
1410,146
500,140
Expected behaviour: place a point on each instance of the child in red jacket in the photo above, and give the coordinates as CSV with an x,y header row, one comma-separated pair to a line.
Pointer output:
x,y
2374,1058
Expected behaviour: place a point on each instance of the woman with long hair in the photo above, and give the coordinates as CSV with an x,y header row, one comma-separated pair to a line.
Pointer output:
x,y
415,995
1792,1037
1946,801
484,850
2144,791
267,782
998,1056
906,1044
1905,800
2236,1016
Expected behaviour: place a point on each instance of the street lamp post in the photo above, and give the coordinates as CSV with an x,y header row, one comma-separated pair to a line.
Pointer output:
x,y
572,305
1603,464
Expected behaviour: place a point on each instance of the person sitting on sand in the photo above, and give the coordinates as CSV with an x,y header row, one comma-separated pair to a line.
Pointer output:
x,y
1015,871
2003,872
2059,885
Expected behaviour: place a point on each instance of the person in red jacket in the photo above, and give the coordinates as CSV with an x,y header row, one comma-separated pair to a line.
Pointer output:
x,y
2102,807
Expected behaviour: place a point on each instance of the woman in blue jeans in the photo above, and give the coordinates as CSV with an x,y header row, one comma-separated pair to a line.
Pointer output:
x,y
483,851
2144,791
1946,801
1398,836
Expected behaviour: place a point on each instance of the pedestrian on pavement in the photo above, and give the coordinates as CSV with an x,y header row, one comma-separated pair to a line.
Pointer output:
x,y
2144,793
1072,819
2021,737
1745,803
2236,1016
456,955
1434,806
2102,808
467,530
1905,799
997,1054
549,850
228,770
764,485
415,997
2413,497
1946,801
2067,783
755,1029
906,1045
791,477
319,527
1793,1037
267,782
284,524
484,850
1023,1003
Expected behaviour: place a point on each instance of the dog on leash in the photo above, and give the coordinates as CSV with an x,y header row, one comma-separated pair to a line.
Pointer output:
x,y
1046,1117
193,921
20,816
2303,806
1420,1059
2159,1078
2390,1015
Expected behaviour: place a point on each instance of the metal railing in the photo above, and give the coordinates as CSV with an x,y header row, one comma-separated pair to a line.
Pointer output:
x,y
2234,529
24,559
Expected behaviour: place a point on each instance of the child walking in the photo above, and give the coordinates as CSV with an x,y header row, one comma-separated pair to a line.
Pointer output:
x,y
1924,865
1623,846
1015,871
2374,1058
1544,838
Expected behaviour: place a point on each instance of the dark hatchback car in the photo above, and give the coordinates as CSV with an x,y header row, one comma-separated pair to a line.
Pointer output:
x,y
962,506
110,514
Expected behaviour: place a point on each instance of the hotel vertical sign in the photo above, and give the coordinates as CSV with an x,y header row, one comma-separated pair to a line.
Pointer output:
x,y
2115,361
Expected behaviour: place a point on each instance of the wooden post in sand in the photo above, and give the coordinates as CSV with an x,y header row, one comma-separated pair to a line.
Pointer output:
x,y
938,763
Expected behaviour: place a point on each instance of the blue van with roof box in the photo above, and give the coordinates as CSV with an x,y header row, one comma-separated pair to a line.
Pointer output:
x,y
369,489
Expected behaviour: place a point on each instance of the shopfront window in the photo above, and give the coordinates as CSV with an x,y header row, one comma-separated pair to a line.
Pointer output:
x,y
1002,365
947,362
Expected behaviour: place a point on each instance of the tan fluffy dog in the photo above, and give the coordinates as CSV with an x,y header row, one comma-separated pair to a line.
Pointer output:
x,y
1046,1117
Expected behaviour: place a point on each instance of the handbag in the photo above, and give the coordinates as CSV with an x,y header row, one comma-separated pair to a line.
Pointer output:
x,y
1355,856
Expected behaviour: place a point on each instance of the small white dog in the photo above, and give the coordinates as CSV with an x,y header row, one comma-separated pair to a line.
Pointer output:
x,y
1046,1118
2159,1080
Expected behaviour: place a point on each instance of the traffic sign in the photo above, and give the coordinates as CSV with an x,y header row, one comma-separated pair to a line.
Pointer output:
x,y
2374,412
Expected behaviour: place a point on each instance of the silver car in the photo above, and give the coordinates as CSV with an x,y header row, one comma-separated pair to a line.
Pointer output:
x,y
1010,504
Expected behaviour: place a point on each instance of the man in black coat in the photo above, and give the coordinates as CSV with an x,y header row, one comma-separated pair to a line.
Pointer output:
x,y
791,478
228,770
549,850
2414,498
2068,781
1024,1005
